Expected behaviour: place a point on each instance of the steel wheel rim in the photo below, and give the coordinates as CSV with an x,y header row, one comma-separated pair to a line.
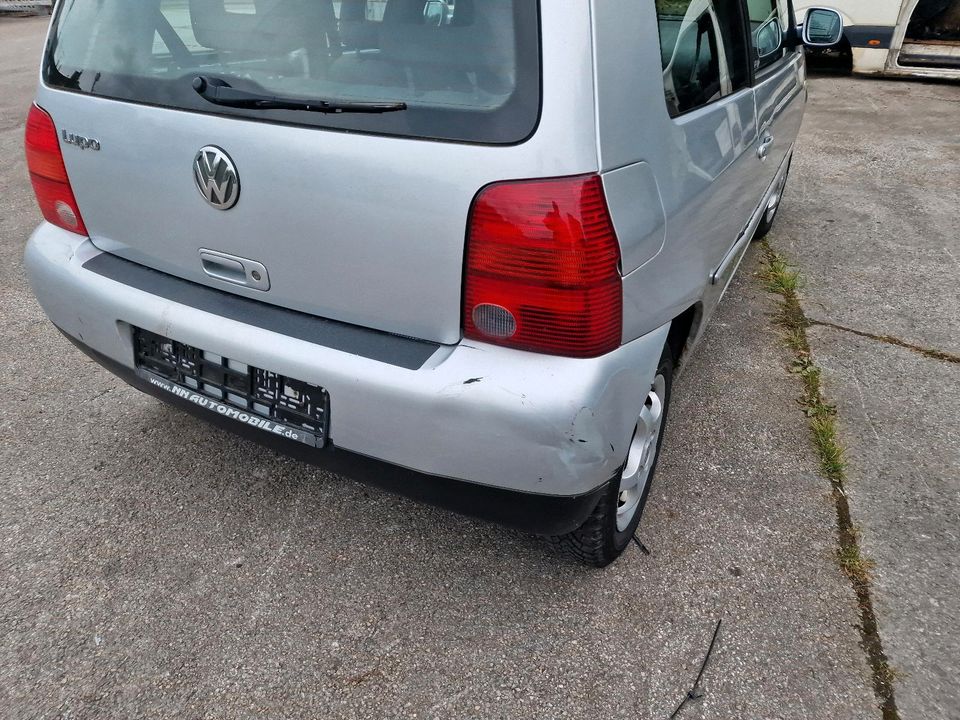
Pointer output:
x,y
643,452
772,212
774,203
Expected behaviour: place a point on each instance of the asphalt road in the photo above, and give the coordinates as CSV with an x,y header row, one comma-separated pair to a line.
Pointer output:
x,y
151,566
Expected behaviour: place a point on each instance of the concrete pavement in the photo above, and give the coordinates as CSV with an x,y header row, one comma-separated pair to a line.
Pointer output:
x,y
871,218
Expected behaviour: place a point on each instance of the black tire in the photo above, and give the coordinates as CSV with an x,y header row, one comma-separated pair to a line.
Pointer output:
x,y
766,225
598,541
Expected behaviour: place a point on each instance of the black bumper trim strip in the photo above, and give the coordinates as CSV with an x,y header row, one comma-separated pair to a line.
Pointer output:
x,y
383,347
859,36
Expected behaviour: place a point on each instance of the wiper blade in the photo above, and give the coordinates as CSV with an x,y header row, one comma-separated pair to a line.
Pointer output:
x,y
219,92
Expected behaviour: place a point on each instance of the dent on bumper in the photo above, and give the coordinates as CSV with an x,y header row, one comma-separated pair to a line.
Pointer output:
x,y
474,412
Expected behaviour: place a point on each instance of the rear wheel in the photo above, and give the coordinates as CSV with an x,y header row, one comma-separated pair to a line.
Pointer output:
x,y
773,205
607,532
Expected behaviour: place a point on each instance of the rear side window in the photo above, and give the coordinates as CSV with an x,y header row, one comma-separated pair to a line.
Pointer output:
x,y
468,70
704,51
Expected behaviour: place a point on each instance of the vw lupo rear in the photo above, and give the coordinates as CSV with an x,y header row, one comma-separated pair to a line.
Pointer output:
x,y
457,248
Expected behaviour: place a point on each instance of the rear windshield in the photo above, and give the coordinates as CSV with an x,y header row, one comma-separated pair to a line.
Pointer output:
x,y
467,70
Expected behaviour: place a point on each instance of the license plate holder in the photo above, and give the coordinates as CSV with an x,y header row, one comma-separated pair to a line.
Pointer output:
x,y
275,404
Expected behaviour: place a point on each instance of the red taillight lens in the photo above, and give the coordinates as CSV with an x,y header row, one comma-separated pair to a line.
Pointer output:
x,y
48,174
542,269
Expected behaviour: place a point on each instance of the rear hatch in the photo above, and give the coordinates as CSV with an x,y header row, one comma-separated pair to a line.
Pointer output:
x,y
357,215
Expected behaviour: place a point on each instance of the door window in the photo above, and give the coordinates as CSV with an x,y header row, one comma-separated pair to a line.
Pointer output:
x,y
704,51
769,20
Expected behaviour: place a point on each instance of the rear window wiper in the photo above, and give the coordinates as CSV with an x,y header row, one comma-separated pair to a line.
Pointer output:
x,y
219,92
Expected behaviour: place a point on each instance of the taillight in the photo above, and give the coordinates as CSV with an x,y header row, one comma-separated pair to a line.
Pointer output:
x,y
49,175
542,269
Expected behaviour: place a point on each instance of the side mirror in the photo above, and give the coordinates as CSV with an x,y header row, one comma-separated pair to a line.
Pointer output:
x,y
768,38
435,12
823,28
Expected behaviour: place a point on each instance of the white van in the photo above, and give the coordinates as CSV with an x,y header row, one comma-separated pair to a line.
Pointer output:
x,y
919,38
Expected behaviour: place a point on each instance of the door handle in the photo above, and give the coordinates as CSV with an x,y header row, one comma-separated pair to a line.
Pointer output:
x,y
764,148
223,268
234,269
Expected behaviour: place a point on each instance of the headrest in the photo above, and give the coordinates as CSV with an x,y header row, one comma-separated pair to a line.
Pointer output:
x,y
482,36
277,26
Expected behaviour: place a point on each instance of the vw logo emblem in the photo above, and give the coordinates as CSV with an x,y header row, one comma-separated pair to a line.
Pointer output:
x,y
216,177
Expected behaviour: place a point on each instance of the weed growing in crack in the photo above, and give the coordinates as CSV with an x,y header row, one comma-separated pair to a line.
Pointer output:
x,y
857,567
780,277
784,280
828,447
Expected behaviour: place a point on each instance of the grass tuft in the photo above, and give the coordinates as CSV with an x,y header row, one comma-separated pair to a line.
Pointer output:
x,y
828,447
854,564
780,277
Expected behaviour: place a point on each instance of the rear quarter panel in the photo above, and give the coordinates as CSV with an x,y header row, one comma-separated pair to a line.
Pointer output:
x,y
707,195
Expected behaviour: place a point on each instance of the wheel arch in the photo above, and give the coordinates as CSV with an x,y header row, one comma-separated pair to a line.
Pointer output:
x,y
684,331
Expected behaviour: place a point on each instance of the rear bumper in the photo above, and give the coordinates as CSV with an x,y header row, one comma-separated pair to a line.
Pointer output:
x,y
470,418
539,514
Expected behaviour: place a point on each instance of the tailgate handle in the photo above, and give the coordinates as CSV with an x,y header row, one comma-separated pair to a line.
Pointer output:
x,y
233,269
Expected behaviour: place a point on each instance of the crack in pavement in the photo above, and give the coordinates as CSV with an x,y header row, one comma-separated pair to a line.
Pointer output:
x,y
931,353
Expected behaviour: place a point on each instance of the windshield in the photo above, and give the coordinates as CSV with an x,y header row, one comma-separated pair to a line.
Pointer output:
x,y
467,70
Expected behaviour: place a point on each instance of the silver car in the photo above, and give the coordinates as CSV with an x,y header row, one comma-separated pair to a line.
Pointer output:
x,y
457,249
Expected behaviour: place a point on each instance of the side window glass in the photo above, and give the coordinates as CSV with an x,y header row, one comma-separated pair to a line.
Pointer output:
x,y
704,51
768,28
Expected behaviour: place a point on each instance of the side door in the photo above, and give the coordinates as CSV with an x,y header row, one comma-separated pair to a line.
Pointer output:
x,y
778,85
706,72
